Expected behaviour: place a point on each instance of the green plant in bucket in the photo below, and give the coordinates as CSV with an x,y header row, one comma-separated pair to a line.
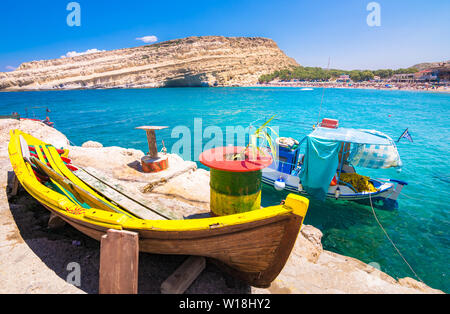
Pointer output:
x,y
262,133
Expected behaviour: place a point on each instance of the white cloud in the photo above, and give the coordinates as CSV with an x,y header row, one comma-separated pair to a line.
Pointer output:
x,y
71,54
10,68
148,39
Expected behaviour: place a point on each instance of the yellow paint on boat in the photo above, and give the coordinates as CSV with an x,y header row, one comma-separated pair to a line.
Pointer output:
x,y
68,208
59,166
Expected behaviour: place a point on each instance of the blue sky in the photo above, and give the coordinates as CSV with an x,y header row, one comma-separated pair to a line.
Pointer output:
x,y
411,31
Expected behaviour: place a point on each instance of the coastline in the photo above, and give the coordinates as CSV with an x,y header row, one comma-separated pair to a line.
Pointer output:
x,y
274,85
345,86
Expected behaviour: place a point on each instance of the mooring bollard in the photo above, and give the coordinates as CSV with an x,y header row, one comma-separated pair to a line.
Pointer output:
x,y
153,162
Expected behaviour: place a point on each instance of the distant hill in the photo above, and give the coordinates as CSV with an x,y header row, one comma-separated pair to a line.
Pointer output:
x,y
424,66
193,61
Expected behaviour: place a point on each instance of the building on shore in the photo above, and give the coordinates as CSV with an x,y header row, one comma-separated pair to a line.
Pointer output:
x,y
443,73
344,78
376,79
432,75
426,75
403,78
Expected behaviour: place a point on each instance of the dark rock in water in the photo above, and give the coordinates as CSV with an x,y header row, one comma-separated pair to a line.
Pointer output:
x,y
442,177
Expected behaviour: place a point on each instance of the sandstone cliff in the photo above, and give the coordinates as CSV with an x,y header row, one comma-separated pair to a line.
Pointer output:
x,y
192,61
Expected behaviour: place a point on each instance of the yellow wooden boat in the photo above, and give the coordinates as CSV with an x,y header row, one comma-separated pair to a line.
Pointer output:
x,y
253,246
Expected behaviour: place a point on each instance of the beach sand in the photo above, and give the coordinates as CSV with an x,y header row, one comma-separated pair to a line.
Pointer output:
x,y
365,85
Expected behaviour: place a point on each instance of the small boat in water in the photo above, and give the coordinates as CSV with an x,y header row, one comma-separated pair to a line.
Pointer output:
x,y
253,246
323,164
46,121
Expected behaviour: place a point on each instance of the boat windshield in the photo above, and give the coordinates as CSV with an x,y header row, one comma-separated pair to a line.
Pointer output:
x,y
369,148
368,137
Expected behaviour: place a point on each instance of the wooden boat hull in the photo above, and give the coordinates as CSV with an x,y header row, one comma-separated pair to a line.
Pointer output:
x,y
256,253
253,246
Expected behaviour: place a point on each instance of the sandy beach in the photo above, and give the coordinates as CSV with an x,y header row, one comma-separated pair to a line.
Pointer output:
x,y
414,87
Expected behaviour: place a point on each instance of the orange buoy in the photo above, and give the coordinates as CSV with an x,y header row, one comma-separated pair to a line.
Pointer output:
x,y
153,162
334,181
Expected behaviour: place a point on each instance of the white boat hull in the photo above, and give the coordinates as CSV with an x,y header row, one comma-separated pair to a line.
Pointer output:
x,y
385,190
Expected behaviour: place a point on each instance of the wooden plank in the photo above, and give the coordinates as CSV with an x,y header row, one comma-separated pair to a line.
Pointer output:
x,y
133,202
184,276
117,197
119,261
59,166
79,193
55,222
15,185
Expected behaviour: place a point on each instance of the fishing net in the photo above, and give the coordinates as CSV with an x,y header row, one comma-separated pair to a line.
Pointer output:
x,y
358,182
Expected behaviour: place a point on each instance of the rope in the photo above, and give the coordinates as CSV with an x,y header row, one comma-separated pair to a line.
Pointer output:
x,y
72,143
323,92
392,242
296,123
407,196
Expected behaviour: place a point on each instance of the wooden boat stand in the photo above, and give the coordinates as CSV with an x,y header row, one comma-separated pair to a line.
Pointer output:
x,y
15,186
119,261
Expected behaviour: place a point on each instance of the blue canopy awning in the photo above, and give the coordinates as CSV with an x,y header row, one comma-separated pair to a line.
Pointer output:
x,y
320,166
370,148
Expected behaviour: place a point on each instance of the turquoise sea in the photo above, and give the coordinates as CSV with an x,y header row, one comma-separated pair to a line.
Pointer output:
x,y
420,227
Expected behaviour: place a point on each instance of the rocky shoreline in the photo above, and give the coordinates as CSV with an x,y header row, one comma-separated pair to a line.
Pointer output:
x,y
35,259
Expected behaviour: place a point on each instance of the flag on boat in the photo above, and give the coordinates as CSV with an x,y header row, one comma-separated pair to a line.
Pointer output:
x,y
406,135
